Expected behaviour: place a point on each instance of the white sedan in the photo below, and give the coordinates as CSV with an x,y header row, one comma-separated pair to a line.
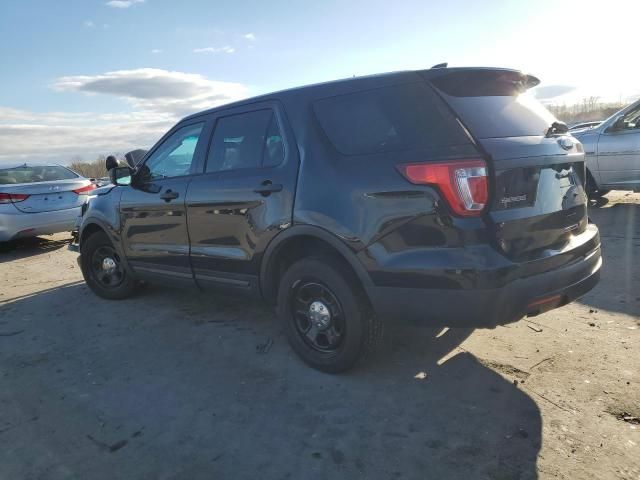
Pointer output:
x,y
613,152
38,199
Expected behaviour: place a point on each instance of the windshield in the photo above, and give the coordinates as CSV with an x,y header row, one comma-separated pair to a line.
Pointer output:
x,y
632,118
34,174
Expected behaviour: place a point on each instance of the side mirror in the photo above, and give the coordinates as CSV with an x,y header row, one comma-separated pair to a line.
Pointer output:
x,y
134,157
120,175
111,162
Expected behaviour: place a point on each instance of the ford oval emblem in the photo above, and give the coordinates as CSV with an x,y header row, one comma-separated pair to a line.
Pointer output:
x,y
566,142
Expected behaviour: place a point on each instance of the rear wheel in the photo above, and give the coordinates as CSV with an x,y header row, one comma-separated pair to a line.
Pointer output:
x,y
103,270
326,317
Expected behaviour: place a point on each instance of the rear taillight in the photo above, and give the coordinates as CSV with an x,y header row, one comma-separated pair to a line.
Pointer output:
x,y
463,183
85,190
12,197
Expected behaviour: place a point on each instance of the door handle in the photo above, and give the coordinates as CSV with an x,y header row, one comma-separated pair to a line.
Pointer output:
x,y
267,188
169,195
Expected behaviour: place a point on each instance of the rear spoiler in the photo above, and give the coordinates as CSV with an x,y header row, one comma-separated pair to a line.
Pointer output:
x,y
473,82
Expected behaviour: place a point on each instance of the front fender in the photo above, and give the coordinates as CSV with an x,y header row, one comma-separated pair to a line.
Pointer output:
x,y
589,142
103,212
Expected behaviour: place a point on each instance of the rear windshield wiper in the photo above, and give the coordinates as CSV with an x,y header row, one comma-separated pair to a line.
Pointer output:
x,y
557,128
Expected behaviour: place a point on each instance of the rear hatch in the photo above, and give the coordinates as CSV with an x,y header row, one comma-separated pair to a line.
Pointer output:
x,y
538,202
36,189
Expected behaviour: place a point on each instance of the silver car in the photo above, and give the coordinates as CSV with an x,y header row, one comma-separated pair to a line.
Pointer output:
x,y
582,126
613,152
38,199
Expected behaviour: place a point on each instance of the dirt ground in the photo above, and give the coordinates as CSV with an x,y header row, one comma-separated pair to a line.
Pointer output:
x,y
178,385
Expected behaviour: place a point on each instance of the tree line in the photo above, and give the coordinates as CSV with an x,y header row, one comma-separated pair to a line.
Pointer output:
x,y
588,110
91,169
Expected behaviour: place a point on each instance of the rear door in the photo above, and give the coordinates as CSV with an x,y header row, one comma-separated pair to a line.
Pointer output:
x,y
619,153
244,197
152,209
539,202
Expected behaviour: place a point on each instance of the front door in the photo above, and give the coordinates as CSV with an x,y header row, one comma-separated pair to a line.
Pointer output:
x,y
245,196
619,154
152,209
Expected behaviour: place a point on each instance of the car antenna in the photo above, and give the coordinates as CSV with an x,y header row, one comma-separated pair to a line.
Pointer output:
x,y
441,65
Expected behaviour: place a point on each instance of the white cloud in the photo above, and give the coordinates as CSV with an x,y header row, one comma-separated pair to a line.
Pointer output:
x,y
60,136
158,99
152,89
88,24
249,36
122,3
225,49
156,51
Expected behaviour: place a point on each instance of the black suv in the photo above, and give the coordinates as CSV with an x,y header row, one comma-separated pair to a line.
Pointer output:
x,y
445,196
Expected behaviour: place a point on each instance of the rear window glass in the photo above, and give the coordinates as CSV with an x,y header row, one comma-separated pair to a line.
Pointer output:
x,y
495,104
34,174
388,119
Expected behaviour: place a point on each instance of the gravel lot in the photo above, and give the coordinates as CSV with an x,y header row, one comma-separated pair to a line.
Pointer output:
x,y
174,384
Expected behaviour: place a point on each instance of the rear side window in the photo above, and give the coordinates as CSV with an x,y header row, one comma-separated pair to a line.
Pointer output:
x,y
245,140
274,146
388,119
494,103
35,174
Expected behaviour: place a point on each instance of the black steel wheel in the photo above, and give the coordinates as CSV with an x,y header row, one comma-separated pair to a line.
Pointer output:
x,y
318,316
106,267
103,268
326,315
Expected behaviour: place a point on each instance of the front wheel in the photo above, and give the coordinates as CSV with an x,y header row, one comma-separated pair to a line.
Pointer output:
x,y
103,270
593,192
325,315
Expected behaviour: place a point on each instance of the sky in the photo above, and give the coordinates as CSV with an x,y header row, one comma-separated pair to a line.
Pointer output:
x,y
81,78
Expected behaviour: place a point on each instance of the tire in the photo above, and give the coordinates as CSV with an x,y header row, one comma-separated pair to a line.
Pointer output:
x,y
97,255
592,189
321,286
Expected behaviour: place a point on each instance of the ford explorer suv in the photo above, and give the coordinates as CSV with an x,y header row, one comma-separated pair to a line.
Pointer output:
x,y
612,150
441,197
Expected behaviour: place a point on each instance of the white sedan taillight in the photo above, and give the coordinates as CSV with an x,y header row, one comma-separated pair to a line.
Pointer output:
x,y
12,197
85,190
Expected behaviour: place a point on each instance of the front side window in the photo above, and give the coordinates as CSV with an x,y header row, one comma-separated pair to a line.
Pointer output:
x,y
173,158
245,140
